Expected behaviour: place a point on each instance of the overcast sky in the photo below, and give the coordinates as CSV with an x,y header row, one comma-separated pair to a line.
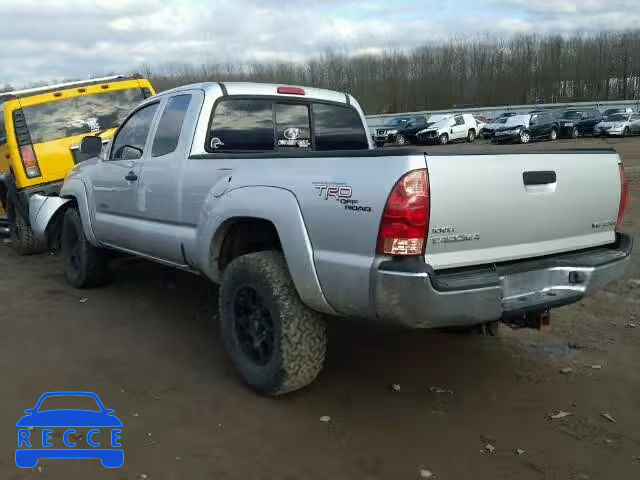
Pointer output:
x,y
51,39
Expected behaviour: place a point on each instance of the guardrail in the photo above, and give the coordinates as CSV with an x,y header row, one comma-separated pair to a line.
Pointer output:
x,y
492,112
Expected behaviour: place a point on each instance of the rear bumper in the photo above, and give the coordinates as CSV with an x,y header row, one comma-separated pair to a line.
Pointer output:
x,y
414,295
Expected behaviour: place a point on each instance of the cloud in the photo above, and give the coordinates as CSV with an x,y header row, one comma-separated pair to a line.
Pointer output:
x,y
70,39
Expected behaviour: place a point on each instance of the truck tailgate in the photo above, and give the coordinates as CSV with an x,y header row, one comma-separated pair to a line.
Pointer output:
x,y
494,208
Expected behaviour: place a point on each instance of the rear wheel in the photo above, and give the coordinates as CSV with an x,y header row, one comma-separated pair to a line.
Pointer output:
x,y
625,132
525,137
276,342
471,136
84,265
401,139
575,133
24,240
444,139
553,136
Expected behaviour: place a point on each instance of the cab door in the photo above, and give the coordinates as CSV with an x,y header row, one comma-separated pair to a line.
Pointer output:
x,y
459,129
115,181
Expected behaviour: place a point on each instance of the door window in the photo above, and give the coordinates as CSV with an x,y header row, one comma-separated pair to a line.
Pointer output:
x,y
134,134
459,120
170,125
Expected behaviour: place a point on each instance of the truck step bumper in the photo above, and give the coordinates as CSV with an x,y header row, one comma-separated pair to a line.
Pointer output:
x,y
416,296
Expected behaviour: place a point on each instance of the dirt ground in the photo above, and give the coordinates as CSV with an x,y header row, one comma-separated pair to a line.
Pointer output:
x,y
148,345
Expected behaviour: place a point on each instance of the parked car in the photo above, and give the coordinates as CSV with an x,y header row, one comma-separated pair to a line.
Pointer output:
x,y
40,129
613,111
481,122
574,123
400,130
524,128
619,124
297,217
487,130
461,126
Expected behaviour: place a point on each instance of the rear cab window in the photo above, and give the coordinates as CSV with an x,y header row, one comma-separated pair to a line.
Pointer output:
x,y
79,115
266,124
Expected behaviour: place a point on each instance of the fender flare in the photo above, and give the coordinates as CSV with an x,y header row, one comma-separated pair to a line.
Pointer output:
x,y
276,205
45,211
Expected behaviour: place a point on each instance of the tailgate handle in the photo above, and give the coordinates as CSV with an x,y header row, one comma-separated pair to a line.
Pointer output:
x,y
539,178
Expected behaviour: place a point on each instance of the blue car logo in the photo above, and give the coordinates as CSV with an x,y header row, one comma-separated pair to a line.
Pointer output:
x,y
103,438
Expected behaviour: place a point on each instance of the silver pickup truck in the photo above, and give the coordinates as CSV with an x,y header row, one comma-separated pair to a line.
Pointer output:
x,y
277,194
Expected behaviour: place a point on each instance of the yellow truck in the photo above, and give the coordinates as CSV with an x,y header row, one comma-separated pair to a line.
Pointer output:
x,y
40,133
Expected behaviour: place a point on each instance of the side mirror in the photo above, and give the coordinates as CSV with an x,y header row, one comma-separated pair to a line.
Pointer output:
x,y
129,152
91,146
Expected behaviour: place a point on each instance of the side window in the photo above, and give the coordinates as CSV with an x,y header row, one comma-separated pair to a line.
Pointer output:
x,y
170,125
338,127
3,132
293,126
459,119
133,134
242,124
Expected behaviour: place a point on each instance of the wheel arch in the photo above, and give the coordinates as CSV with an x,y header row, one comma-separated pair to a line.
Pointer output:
x,y
275,216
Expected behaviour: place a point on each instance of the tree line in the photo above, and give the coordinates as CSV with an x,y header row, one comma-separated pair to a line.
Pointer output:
x,y
468,71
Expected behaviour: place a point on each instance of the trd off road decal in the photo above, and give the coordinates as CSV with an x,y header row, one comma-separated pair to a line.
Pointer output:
x,y
342,193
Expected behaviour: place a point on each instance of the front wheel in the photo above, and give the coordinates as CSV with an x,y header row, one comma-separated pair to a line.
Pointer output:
x,y
275,341
24,240
625,132
525,137
553,136
575,133
471,136
401,139
84,265
444,139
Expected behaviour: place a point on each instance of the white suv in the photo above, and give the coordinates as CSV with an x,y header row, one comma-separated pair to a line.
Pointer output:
x,y
457,127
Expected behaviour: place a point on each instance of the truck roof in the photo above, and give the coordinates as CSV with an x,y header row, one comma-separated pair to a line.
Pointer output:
x,y
262,89
61,86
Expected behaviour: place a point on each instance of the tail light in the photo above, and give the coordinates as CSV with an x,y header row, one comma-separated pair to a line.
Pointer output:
x,y
624,197
405,220
29,161
27,154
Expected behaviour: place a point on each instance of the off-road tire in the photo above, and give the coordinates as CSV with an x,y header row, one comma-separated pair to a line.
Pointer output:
x,y
23,239
299,333
443,139
85,266
471,136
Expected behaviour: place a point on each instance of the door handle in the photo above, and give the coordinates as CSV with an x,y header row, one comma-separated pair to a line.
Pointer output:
x,y
539,177
131,177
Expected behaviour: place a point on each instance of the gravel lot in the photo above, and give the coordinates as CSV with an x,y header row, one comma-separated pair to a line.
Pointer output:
x,y
148,345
